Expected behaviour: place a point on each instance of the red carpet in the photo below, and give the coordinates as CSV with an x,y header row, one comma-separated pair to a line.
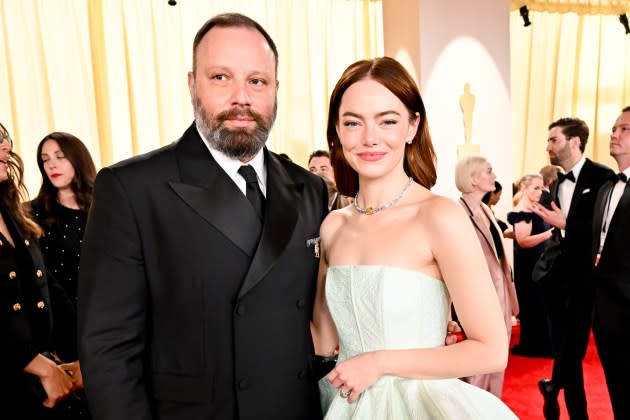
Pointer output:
x,y
520,391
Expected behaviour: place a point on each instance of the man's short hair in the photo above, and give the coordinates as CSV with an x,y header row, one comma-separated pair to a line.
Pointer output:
x,y
573,127
319,153
549,173
232,20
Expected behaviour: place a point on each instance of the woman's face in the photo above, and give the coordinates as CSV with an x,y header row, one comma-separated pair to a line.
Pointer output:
x,y
484,180
533,191
373,129
58,168
5,150
495,197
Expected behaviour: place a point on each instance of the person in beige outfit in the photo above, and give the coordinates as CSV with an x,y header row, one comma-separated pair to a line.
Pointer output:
x,y
474,178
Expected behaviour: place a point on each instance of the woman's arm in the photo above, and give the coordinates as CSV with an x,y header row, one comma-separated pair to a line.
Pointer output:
x,y
458,254
524,237
325,338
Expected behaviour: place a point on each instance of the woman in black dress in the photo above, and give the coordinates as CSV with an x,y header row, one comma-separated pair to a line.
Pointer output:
x,y
37,320
531,234
62,205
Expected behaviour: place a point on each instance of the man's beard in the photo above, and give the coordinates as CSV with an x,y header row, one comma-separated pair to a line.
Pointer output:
x,y
238,143
560,157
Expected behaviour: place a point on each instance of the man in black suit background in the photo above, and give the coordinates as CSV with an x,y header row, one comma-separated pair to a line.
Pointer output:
x,y
611,261
567,283
199,261
549,174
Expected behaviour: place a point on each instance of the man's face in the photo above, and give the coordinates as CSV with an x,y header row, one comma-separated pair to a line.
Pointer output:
x,y
560,148
233,90
320,165
620,140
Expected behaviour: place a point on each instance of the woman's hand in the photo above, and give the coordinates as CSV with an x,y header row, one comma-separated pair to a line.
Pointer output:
x,y
56,382
73,369
355,375
454,333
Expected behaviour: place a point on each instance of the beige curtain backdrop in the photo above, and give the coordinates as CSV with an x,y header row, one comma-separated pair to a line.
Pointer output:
x,y
113,72
567,64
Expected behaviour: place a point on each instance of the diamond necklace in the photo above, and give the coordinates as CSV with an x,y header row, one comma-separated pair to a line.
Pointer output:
x,y
371,210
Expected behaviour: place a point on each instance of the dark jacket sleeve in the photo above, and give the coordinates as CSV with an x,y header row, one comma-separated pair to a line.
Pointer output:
x,y
64,322
112,306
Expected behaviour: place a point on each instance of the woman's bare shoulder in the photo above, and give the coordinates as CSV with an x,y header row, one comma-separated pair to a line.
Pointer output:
x,y
434,204
334,220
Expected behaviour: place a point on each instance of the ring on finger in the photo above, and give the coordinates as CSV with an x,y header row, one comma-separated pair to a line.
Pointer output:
x,y
344,394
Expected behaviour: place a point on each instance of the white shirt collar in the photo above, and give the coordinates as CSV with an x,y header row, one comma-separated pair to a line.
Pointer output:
x,y
577,168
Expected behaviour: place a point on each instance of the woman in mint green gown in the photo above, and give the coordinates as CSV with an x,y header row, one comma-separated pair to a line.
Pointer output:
x,y
392,262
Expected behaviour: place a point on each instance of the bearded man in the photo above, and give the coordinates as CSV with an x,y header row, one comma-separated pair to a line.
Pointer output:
x,y
199,261
565,266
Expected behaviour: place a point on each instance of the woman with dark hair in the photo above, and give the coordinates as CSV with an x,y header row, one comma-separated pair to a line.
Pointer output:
x,y
490,199
62,205
37,321
390,263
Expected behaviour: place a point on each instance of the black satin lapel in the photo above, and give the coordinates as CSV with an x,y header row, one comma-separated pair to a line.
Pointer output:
x,y
624,203
281,215
598,213
582,183
554,193
206,188
225,209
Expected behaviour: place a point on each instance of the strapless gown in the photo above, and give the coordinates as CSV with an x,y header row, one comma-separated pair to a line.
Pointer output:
x,y
382,307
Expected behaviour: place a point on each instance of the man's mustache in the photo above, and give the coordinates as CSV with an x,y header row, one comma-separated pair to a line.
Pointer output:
x,y
240,112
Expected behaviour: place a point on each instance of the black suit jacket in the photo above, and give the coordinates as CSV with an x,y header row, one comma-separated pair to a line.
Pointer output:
x,y
565,266
566,262
183,312
612,274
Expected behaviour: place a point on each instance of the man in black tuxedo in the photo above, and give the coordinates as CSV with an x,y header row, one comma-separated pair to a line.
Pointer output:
x,y
567,281
611,241
199,261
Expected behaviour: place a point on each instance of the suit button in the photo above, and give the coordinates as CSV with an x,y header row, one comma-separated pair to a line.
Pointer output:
x,y
41,304
39,274
26,242
17,307
240,311
12,275
243,384
300,303
301,374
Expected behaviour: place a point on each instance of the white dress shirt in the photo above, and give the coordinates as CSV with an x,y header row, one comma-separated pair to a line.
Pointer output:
x,y
611,206
231,166
566,189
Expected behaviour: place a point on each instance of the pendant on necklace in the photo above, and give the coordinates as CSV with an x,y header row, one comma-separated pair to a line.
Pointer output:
x,y
369,210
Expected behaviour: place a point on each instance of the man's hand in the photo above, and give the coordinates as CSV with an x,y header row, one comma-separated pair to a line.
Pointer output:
x,y
554,217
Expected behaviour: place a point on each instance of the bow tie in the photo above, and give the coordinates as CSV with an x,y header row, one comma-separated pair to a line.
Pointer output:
x,y
622,177
563,177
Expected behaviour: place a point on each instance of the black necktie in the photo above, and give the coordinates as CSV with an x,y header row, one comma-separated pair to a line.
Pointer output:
x,y
563,177
252,190
622,177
